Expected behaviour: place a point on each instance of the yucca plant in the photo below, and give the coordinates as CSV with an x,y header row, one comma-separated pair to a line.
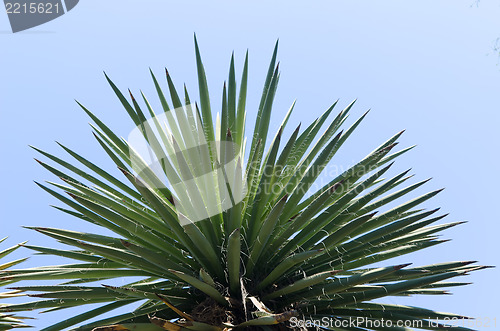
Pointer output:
x,y
10,321
225,237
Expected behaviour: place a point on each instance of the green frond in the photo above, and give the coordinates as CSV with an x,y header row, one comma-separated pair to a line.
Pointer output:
x,y
8,320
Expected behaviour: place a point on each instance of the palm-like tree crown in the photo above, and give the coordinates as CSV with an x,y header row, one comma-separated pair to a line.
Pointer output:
x,y
10,321
222,241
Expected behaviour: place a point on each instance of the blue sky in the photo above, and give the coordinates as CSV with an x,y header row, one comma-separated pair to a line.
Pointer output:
x,y
428,67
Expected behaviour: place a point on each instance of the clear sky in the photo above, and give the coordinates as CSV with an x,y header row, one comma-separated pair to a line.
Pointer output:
x,y
425,66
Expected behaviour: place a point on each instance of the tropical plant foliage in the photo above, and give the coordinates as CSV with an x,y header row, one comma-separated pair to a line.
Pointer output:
x,y
290,248
9,321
